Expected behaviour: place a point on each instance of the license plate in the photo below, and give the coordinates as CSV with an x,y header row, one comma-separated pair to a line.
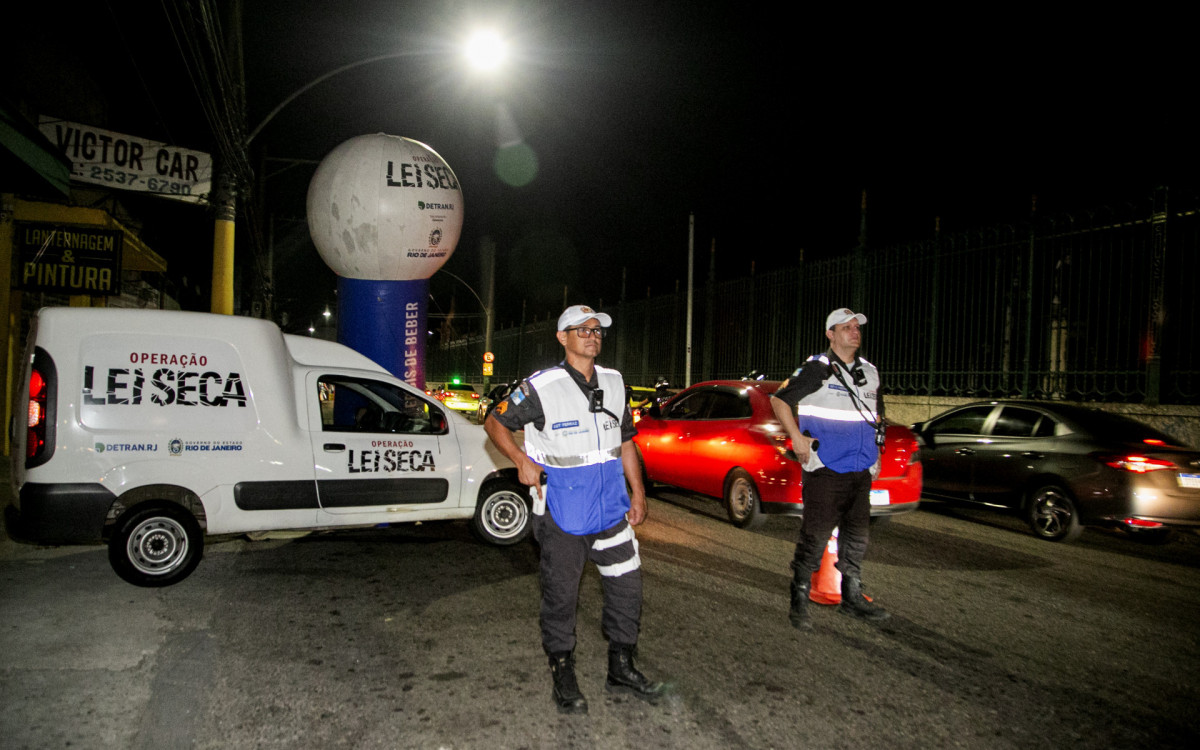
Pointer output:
x,y
881,497
1188,480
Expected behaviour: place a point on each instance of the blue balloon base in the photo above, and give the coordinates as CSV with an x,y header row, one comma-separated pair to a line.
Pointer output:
x,y
386,321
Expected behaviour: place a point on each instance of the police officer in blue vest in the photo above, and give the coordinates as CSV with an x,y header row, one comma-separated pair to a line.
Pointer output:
x,y
832,410
577,456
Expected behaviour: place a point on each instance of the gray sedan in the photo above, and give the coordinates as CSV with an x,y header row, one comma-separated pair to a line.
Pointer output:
x,y
1062,467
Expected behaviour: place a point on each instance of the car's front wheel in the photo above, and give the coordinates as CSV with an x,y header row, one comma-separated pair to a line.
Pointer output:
x,y
156,544
502,514
1052,514
741,500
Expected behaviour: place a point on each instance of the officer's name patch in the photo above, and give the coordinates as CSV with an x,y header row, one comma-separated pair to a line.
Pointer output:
x,y
564,425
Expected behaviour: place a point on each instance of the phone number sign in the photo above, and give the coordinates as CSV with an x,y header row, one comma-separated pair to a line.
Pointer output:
x,y
126,162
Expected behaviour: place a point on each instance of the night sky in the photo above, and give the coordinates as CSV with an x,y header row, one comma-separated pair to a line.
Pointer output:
x,y
766,124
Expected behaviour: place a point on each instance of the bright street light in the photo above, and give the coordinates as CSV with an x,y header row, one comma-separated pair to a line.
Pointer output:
x,y
486,51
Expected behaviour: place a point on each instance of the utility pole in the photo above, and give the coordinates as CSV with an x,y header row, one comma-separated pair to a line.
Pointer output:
x,y
224,198
489,304
224,205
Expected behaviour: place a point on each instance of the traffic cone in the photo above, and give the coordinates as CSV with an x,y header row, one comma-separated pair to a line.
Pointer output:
x,y
826,585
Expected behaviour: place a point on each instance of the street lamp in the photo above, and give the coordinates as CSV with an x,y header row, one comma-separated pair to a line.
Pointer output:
x,y
486,50
319,79
489,306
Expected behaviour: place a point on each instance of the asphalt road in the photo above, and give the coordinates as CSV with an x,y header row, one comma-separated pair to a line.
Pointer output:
x,y
420,637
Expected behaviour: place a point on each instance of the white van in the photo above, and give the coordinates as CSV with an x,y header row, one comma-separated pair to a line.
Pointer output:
x,y
148,429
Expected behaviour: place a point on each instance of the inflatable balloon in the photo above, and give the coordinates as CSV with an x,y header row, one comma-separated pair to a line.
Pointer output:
x,y
385,213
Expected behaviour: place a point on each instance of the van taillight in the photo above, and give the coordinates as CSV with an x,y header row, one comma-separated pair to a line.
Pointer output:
x,y
36,438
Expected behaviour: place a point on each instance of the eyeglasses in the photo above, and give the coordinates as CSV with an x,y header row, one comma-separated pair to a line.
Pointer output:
x,y
583,332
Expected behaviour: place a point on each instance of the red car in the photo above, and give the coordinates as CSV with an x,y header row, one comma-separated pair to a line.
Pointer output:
x,y
721,438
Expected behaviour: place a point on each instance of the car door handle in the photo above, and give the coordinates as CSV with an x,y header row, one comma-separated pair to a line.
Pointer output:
x,y
334,447
964,451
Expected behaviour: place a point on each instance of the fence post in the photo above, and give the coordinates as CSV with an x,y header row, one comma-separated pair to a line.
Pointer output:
x,y
1154,327
858,268
749,361
520,340
646,335
674,330
620,358
709,303
797,355
1029,279
934,293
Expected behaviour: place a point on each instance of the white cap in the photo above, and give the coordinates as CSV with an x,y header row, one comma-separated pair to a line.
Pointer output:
x,y
842,315
576,314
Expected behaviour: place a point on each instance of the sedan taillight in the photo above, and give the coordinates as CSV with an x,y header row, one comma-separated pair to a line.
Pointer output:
x,y
1137,464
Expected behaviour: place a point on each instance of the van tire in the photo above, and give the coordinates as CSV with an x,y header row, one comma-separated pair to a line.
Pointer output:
x,y
502,515
155,544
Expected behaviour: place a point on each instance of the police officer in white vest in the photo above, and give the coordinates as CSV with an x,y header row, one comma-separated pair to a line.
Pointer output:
x,y
832,410
577,457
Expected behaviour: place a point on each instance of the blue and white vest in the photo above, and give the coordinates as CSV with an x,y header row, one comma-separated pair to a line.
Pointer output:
x,y
580,451
832,416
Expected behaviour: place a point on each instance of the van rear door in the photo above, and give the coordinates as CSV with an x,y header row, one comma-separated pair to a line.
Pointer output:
x,y
380,447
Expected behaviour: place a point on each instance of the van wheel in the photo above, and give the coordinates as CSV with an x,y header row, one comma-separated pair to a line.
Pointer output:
x,y
156,545
502,514
741,500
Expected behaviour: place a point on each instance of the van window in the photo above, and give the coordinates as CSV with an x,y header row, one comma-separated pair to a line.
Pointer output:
x,y
361,405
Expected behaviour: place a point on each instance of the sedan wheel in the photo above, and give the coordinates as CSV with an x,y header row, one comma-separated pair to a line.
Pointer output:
x,y
741,500
1052,515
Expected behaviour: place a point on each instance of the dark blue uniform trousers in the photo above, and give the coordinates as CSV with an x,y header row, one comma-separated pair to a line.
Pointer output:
x,y
833,500
614,552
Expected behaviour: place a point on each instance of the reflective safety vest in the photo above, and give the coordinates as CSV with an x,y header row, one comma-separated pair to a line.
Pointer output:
x,y
840,421
580,451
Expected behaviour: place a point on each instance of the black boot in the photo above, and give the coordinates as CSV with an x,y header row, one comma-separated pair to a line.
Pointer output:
x,y
798,614
623,676
566,690
857,605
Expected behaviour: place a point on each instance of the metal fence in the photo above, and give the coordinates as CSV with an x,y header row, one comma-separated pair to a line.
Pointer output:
x,y
1097,306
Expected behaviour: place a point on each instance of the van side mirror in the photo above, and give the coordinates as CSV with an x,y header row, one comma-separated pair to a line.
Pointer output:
x,y
437,421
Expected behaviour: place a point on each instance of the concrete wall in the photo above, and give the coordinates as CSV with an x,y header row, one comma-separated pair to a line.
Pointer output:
x,y
1182,422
